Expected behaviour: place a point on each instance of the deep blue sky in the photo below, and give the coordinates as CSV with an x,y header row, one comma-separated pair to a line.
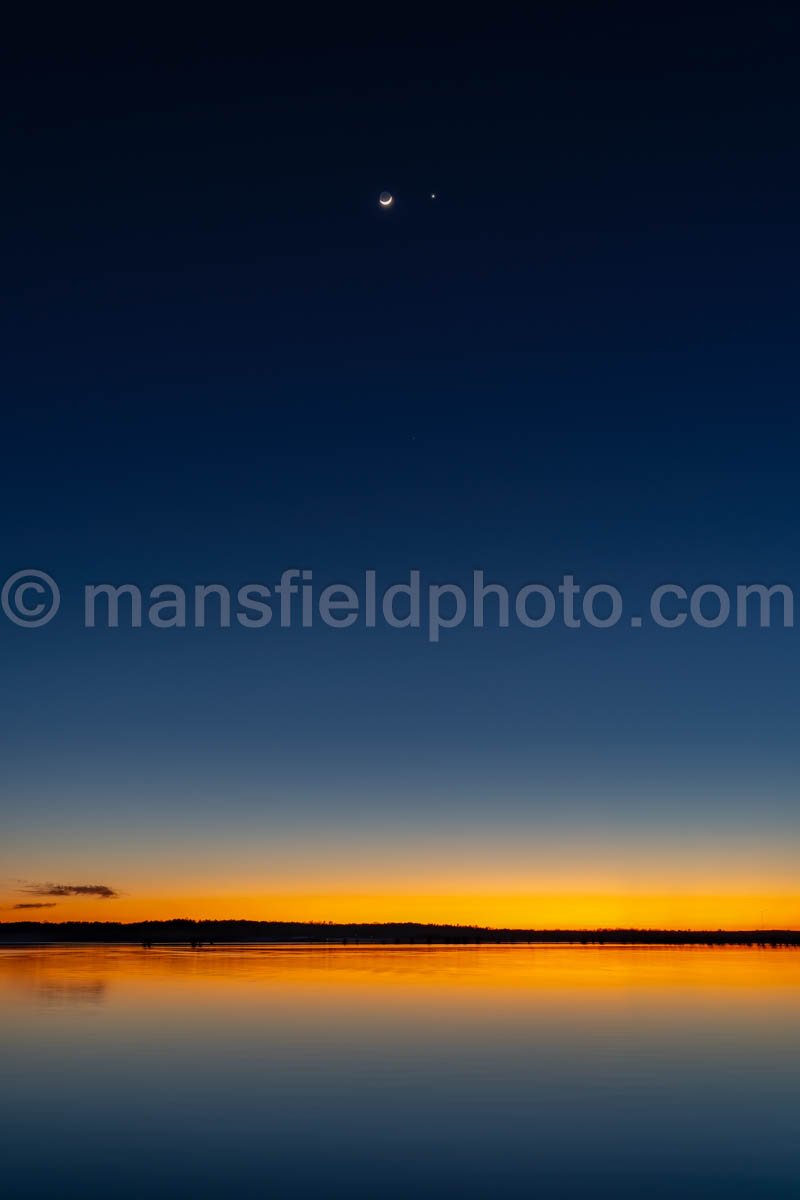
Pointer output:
x,y
222,360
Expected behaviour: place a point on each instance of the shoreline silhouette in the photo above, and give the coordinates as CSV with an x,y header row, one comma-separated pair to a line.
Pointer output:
x,y
180,931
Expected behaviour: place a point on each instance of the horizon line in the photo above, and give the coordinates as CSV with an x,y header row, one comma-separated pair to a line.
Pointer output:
x,y
421,925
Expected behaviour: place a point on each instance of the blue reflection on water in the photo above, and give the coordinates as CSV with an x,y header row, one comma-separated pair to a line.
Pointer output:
x,y
399,1072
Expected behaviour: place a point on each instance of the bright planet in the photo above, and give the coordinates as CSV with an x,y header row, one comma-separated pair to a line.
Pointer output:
x,y
386,199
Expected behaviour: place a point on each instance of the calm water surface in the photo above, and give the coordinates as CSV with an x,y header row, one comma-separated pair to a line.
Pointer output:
x,y
400,1072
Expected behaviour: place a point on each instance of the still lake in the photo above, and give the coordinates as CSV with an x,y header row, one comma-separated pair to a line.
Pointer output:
x,y
388,1072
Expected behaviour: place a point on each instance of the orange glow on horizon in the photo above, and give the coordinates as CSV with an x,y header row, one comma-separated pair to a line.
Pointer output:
x,y
553,909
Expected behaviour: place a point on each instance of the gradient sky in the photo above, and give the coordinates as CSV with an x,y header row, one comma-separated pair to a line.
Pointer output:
x,y
223,360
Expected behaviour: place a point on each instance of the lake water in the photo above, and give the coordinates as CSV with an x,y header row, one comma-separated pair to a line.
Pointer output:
x,y
400,1072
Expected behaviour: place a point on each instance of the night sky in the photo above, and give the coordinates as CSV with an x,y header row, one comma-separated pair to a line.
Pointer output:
x,y
222,359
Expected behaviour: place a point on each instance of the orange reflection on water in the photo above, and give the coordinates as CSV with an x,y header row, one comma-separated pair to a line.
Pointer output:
x,y
389,975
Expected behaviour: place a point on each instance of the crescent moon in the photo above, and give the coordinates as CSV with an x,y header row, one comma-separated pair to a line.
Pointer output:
x,y
385,200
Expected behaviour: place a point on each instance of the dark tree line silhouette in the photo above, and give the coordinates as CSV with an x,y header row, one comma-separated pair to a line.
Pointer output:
x,y
198,933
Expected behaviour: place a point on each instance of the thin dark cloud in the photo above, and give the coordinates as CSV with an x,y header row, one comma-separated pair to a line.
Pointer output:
x,y
71,889
46,904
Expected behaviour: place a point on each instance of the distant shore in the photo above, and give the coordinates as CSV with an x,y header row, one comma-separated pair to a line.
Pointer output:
x,y
205,933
